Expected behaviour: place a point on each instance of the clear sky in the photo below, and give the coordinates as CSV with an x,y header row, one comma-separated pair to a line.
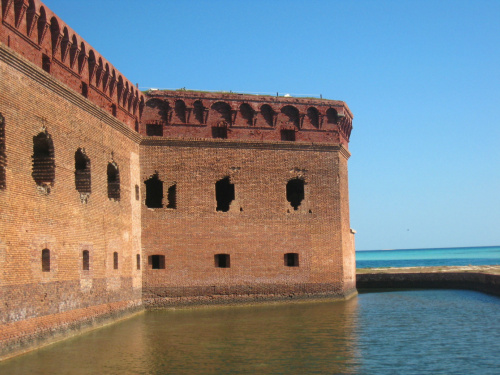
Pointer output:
x,y
421,77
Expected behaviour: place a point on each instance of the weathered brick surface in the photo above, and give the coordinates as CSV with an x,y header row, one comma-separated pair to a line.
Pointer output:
x,y
82,104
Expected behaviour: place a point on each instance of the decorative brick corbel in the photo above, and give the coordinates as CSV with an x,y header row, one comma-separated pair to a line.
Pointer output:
x,y
112,85
76,53
205,115
32,18
234,113
320,120
85,57
98,75
65,48
22,11
41,37
188,114
6,10
55,48
301,120
126,93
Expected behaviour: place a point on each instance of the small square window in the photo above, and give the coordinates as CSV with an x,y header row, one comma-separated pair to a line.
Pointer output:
x,y
222,261
157,262
287,135
219,132
291,259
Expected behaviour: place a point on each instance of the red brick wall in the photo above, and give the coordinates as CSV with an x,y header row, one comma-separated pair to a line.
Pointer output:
x,y
260,226
32,101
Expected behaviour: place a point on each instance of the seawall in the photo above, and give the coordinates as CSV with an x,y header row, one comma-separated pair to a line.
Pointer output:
x,y
484,279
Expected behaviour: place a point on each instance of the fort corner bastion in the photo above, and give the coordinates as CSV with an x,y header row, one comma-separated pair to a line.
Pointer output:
x,y
113,200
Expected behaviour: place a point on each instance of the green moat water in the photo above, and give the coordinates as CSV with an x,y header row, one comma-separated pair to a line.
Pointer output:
x,y
403,332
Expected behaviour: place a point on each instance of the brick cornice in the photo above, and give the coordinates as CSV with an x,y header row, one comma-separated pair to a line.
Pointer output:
x,y
16,61
256,145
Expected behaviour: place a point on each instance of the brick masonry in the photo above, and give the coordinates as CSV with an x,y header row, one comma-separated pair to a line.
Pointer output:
x,y
53,85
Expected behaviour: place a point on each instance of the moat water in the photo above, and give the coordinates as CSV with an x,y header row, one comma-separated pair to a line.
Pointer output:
x,y
403,332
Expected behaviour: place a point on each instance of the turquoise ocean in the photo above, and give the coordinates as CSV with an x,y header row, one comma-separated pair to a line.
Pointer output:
x,y
452,256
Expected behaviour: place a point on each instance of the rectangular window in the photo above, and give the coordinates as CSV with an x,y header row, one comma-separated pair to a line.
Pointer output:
x,y
85,260
154,130
46,63
222,261
45,260
292,260
115,260
138,259
287,135
219,132
157,262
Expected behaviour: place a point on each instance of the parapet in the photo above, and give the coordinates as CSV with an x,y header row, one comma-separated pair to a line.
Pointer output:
x,y
32,30
195,114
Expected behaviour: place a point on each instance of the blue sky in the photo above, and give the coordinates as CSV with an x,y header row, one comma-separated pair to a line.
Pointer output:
x,y
421,77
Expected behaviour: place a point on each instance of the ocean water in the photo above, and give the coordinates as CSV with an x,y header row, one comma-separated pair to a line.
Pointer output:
x,y
456,256
404,333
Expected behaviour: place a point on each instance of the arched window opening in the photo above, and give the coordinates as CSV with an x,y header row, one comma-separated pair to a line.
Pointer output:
x,y
313,115
180,111
119,89
3,154
138,261
157,262
82,174
291,260
99,73
199,111
73,54
223,112
115,260
85,260
172,196
42,25
332,116
295,192
55,32
157,109
247,113
154,192
268,114
292,115
141,106
224,194
125,95
113,182
45,260
43,161
222,260
19,11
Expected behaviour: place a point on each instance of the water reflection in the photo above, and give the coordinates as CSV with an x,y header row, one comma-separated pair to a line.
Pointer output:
x,y
407,332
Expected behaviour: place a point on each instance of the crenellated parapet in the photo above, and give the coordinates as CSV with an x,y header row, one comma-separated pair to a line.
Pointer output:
x,y
195,114
32,30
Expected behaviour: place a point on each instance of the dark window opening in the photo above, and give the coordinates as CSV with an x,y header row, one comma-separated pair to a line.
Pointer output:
x,y
295,192
3,155
292,115
113,181
154,192
268,114
224,194
136,126
222,261
157,262
292,260
180,111
331,116
43,160
247,113
115,260
157,109
85,260
219,132
138,261
137,195
199,111
313,115
154,130
172,196
46,63
82,172
45,260
113,109
85,90
288,135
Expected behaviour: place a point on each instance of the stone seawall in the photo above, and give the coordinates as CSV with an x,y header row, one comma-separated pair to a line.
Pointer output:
x,y
483,281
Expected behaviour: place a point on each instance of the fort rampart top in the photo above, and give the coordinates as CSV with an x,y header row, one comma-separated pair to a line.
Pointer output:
x,y
31,29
